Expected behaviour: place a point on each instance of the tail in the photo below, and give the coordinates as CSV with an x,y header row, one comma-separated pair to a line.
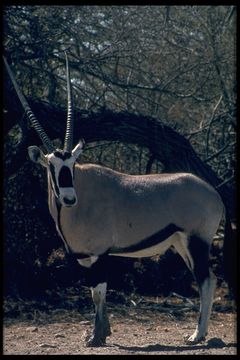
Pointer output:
x,y
230,255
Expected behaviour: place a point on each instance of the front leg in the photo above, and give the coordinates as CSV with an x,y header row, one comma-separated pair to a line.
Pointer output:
x,y
101,324
97,280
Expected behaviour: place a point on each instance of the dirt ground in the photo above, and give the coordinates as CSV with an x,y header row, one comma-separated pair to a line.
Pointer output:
x,y
142,325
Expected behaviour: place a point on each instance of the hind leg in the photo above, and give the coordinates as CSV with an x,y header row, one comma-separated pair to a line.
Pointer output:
x,y
207,288
195,252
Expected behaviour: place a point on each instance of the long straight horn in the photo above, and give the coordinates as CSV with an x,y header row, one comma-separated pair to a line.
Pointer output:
x,y
34,122
69,129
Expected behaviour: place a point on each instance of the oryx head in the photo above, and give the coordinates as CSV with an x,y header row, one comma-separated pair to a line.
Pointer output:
x,y
59,163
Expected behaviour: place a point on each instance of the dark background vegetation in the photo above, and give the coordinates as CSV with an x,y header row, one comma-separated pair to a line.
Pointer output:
x,y
154,90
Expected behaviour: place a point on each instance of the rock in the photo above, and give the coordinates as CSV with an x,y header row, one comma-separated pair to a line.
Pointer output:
x,y
44,345
59,336
32,328
85,322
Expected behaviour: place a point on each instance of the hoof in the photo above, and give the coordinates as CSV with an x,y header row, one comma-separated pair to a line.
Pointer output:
x,y
94,341
193,339
98,337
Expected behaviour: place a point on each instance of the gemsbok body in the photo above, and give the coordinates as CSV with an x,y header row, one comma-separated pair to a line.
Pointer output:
x,y
100,212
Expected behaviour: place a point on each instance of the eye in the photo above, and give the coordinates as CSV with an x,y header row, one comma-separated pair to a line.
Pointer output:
x,y
65,177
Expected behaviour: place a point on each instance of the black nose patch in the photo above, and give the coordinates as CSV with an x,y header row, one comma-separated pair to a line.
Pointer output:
x,y
65,177
69,202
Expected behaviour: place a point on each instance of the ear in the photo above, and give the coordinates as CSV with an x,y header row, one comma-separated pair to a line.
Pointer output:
x,y
78,149
36,155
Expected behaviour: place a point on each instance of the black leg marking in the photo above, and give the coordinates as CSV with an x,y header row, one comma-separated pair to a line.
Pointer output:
x,y
97,273
199,251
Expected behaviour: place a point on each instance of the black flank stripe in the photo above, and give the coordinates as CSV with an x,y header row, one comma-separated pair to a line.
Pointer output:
x,y
150,241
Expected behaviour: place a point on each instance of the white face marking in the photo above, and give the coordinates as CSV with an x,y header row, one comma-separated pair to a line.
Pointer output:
x,y
61,174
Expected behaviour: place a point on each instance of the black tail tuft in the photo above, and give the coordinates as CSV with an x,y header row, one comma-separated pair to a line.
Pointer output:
x,y
230,256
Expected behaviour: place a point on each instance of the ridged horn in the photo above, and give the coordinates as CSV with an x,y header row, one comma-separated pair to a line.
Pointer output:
x,y
69,128
34,122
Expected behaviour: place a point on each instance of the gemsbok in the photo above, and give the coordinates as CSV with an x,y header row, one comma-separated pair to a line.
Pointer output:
x,y
100,212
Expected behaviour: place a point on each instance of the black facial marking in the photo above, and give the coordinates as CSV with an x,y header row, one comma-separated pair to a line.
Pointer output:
x,y
150,241
65,177
62,155
51,167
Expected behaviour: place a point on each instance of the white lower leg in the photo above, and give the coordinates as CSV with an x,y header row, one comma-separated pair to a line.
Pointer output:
x,y
101,325
206,299
99,297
